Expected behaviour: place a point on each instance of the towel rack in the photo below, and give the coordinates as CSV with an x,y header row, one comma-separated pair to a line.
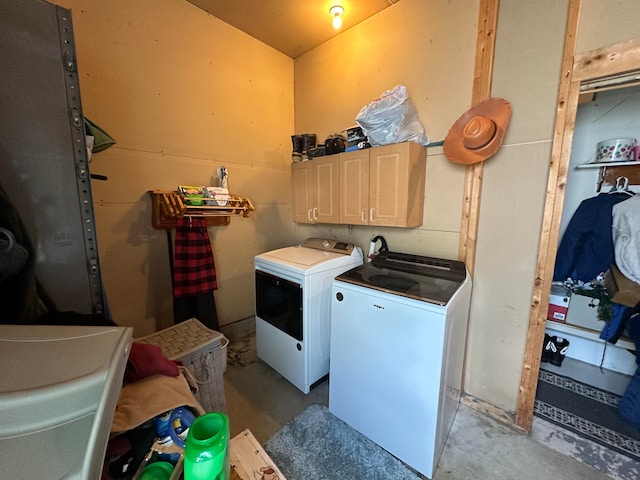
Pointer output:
x,y
168,206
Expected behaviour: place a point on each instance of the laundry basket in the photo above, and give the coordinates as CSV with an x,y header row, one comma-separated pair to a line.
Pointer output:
x,y
200,351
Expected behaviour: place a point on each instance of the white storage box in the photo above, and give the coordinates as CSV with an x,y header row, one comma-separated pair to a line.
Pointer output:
x,y
200,351
583,312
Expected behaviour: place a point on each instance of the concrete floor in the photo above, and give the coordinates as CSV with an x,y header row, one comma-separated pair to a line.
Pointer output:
x,y
479,448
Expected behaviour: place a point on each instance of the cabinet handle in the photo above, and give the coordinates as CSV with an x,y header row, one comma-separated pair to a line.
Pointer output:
x,y
363,215
315,213
309,215
371,215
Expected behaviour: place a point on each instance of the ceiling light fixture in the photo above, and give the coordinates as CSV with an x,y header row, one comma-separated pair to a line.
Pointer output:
x,y
336,12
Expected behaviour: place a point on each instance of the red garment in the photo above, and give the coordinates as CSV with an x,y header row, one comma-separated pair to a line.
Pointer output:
x,y
146,360
194,270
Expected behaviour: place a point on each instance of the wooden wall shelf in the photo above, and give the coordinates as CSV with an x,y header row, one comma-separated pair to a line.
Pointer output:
x,y
167,207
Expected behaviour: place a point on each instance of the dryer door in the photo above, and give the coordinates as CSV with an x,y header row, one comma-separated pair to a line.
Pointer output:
x,y
279,302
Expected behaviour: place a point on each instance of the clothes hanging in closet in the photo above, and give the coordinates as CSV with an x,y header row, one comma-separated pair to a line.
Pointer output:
x,y
587,248
194,273
626,237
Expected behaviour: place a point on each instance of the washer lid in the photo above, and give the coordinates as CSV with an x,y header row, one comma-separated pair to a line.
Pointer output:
x,y
305,261
423,278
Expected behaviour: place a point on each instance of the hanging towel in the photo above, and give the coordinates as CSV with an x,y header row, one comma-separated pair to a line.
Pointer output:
x,y
194,271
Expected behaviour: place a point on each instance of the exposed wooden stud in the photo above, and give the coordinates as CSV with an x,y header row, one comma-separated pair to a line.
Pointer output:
x,y
561,149
606,61
483,73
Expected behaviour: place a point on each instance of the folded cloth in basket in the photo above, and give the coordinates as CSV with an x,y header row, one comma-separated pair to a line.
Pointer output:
x,y
146,399
146,360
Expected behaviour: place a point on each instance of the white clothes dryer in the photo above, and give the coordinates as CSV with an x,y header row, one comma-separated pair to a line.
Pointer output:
x,y
293,306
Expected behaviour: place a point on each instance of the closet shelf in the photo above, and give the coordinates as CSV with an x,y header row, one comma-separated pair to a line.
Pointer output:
x,y
167,207
610,171
609,164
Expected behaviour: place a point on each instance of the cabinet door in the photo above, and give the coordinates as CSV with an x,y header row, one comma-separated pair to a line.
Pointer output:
x,y
325,199
302,188
354,187
396,184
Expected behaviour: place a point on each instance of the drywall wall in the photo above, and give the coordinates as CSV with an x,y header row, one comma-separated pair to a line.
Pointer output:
x,y
607,22
182,93
433,55
527,73
426,45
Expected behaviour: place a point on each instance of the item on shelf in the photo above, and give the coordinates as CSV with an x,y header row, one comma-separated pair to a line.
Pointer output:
x,y
555,349
356,139
318,151
308,142
620,289
558,303
392,118
296,153
615,150
216,196
546,348
193,195
334,144
223,177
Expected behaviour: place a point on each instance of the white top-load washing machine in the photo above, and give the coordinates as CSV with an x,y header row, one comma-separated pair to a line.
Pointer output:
x,y
293,306
398,332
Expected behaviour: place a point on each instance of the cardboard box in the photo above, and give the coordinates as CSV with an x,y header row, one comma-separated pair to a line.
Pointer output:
x,y
249,459
620,289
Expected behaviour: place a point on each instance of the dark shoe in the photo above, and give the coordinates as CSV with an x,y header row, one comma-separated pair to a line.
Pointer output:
x,y
545,348
296,153
296,141
559,350
308,142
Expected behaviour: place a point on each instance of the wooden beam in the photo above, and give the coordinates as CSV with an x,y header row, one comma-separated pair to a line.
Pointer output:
x,y
607,61
483,73
560,153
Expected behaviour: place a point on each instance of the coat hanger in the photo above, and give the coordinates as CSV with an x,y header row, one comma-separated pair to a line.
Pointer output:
x,y
621,186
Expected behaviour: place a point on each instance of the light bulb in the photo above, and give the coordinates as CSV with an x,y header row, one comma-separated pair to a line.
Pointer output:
x,y
337,11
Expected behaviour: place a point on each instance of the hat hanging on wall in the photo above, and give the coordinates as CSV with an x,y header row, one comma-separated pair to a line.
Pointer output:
x,y
479,132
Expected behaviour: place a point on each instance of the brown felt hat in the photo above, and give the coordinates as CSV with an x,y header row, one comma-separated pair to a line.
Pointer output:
x,y
479,132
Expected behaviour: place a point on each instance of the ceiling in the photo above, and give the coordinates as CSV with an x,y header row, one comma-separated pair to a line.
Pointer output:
x,y
291,26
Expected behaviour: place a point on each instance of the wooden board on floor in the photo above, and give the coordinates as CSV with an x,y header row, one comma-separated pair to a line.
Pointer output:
x,y
249,461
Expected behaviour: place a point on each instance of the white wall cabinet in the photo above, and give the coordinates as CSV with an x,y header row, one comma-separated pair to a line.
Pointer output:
x,y
382,186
